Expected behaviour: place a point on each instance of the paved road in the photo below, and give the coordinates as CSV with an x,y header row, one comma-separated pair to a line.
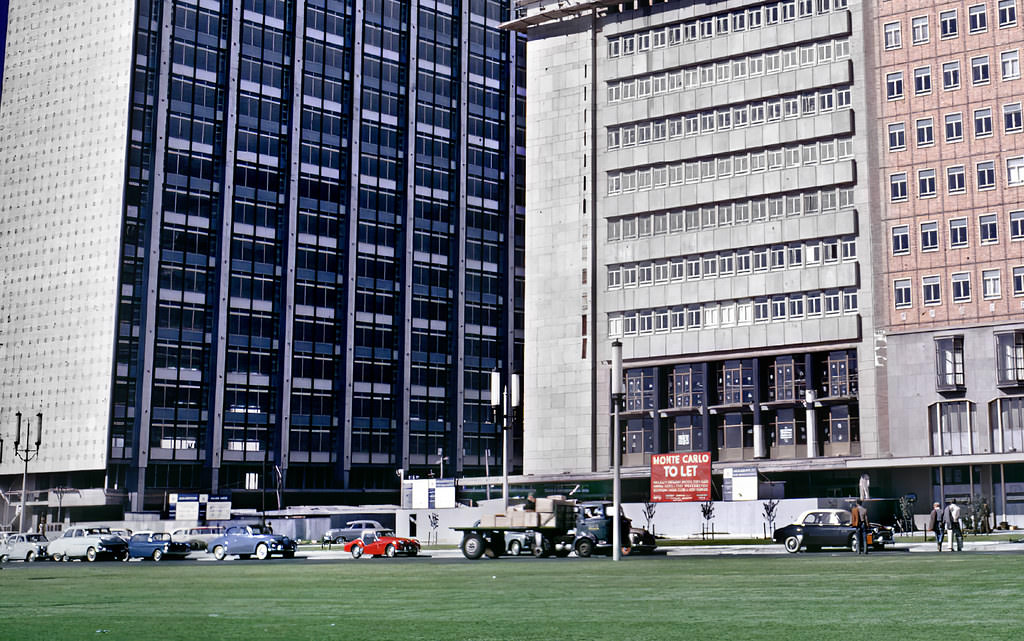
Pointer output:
x,y
448,555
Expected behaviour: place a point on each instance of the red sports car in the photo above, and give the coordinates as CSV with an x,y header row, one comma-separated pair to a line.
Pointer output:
x,y
382,543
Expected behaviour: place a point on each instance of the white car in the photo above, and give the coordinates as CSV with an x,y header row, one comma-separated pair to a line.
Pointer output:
x,y
23,547
89,543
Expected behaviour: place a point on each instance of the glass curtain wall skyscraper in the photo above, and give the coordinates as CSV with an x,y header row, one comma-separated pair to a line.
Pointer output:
x,y
321,244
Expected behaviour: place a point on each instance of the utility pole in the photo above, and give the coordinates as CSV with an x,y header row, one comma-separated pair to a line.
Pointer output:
x,y
503,416
26,454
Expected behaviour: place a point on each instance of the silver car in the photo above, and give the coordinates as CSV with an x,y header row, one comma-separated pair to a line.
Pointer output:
x,y
352,531
197,537
23,547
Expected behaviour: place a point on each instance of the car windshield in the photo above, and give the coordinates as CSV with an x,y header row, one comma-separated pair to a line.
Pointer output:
x,y
37,538
262,529
98,530
386,533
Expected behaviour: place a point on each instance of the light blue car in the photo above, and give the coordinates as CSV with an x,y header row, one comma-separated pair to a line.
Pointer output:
x,y
251,540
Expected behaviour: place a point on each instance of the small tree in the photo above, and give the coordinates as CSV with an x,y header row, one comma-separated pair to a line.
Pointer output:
x,y
976,514
907,514
707,509
649,509
434,518
770,507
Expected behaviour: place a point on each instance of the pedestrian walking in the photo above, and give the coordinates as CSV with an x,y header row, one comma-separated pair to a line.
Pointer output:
x,y
935,523
951,521
859,520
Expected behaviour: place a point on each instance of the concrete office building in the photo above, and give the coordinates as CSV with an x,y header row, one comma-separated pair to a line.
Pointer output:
x,y
696,188
257,243
723,187
951,166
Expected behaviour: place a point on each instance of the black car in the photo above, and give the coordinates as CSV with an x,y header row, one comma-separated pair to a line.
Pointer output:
x,y
820,528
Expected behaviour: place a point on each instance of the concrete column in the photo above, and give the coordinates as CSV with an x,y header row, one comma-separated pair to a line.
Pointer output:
x,y
810,397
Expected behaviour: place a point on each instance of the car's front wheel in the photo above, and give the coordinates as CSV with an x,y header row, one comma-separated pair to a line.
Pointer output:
x,y
3,558
219,552
91,554
357,551
158,555
262,551
514,548
29,558
389,551
792,544
854,543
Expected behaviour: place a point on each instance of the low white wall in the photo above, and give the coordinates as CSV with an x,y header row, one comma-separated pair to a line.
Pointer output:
x,y
740,519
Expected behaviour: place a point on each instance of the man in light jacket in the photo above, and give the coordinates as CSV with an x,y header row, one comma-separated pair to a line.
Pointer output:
x,y
951,522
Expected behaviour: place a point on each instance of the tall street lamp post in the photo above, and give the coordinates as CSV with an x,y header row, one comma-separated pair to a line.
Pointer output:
x,y
26,454
617,397
500,403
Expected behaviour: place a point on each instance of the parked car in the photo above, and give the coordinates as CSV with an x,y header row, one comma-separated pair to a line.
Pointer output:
x,y
89,543
641,541
382,543
517,543
820,528
197,537
251,540
23,547
156,546
352,531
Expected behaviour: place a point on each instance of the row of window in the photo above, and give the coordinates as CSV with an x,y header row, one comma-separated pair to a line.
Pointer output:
x,y
955,430
770,62
721,24
773,309
960,288
953,127
728,263
950,372
981,74
956,179
949,24
726,214
724,119
778,158
988,233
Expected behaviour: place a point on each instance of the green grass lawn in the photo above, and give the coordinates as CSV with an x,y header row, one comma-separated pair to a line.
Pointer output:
x,y
788,598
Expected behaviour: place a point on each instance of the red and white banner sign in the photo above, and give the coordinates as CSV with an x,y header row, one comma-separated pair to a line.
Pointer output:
x,y
682,477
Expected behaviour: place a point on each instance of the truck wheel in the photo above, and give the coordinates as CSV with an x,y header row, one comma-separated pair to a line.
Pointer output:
x,y
542,548
473,546
584,548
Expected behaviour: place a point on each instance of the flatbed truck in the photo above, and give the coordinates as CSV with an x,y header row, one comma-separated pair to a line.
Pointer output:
x,y
557,527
